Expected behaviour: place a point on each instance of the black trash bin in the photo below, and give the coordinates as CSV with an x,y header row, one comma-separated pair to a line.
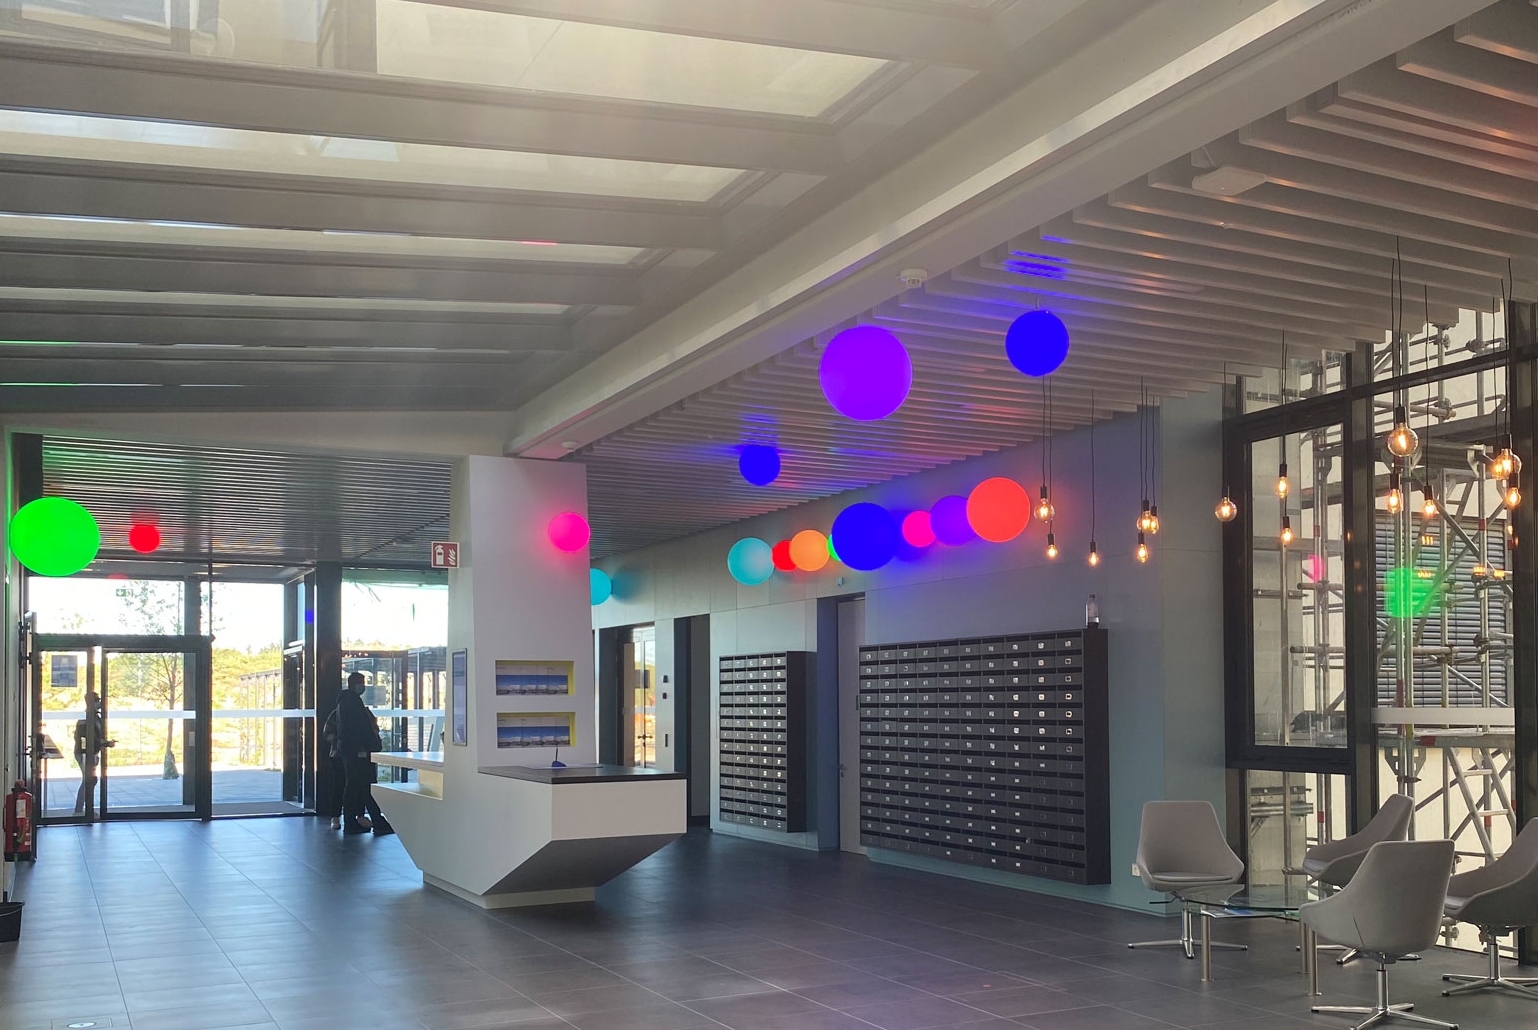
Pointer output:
x,y
10,920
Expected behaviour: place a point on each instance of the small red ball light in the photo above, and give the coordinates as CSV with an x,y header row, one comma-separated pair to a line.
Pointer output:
x,y
780,553
570,531
998,509
144,537
918,530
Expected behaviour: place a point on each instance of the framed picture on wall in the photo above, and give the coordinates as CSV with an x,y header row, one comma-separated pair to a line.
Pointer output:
x,y
459,688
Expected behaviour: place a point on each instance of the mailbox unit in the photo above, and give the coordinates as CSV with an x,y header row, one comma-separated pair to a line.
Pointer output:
x,y
763,740
992,752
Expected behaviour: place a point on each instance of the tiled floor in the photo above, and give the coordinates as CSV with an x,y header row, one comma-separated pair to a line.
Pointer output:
x,y
279,923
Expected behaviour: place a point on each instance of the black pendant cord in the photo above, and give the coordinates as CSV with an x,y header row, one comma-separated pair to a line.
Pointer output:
x,y
1049,442
1044,431
1092,505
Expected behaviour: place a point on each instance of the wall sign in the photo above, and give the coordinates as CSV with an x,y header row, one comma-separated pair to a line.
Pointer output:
x,y
64,670
445,554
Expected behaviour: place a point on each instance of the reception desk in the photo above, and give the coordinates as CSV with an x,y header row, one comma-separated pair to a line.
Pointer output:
x,y
508,835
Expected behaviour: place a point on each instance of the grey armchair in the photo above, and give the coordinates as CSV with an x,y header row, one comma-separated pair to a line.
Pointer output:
x,y
1500,898
1180,848
1391,908
1333,863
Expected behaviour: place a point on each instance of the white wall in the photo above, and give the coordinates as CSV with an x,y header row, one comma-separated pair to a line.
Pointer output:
x,y
1163,618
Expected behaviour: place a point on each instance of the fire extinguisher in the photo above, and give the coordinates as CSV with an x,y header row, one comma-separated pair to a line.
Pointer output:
x,y
20,827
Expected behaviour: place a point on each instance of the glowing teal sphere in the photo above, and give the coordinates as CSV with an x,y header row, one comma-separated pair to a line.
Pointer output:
x,y
750,561
600,586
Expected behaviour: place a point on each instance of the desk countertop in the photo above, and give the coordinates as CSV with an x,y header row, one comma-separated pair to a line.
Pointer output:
x,y
579,773
428,760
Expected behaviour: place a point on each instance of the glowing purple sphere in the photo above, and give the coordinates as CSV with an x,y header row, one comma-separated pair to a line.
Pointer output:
x,y
866,373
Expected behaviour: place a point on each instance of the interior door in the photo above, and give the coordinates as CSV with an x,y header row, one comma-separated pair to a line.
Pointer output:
x,y
851,635
65,771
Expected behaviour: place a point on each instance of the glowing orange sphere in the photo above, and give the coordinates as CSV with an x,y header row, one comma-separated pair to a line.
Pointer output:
x,y
809,550
998,509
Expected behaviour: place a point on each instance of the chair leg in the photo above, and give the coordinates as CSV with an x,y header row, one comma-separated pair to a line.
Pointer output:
x,y
1493,979
1187,941
1383,1010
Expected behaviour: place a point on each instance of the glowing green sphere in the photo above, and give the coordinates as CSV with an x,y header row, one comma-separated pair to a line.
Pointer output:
x,y
1406,594
54,536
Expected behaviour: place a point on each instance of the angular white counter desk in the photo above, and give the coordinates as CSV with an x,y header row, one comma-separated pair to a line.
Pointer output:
x,y
511,835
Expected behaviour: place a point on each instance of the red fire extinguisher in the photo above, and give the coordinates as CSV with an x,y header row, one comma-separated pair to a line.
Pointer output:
x,y
20,845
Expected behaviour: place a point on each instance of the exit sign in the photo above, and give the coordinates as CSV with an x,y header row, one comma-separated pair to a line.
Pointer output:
x,y
445,554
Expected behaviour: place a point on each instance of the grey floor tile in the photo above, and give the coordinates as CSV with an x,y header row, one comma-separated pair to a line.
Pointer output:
x,y
495,1012
1099,1017
662,1015
1023,1001
918,1013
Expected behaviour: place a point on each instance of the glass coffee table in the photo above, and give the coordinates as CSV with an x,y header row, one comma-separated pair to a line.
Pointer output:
x,y
1258,901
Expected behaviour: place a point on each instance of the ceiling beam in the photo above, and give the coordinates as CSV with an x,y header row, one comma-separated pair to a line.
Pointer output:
x,y
1443,58
961,39
338,396
1385,85
295,333
1503,28
285,274
44,77
283,202
201,372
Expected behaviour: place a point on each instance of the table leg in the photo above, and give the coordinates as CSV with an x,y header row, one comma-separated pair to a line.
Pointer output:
x,y
1311,959
1206,946
1302,946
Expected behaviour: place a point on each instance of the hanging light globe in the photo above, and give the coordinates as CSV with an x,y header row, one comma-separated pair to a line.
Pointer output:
x,y
1504,465
1227,510
1402,440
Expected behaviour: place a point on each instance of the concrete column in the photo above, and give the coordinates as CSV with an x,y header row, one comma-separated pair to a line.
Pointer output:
x,y
324,657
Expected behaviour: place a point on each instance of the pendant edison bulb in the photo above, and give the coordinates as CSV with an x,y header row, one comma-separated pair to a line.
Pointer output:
x,y
1429,505
1145,518
1094,555
1044,509
1286,534
1282,486
1227,510
1402,440
1051,546
1395,500
1153,521
1512,496
1142,549
1505,464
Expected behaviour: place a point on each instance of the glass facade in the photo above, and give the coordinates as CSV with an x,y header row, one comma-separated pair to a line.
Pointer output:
x,y
1380,614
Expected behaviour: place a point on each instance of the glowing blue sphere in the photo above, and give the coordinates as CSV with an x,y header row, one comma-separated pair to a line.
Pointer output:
x,y
948,519
1037,343
599,585
759,464
750,561
866,373
866,536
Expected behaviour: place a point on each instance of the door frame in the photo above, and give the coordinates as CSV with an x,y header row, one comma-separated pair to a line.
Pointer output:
x,y
201,696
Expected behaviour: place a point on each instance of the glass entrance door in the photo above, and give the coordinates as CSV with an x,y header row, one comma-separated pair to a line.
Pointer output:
x,y
638,698
122,727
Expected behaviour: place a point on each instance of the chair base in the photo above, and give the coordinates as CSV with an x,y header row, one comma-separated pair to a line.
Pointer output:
x,y
1383,1011
1493,980
1187,941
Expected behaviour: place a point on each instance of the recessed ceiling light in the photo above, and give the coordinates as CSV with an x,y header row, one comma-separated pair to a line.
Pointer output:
x,y
1227,181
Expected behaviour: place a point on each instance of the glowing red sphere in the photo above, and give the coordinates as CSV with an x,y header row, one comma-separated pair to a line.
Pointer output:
x,y
918,529
780,554
998,509
144,537
569,531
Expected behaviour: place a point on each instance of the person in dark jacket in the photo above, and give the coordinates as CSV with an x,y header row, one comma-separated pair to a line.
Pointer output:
x,y
331,803
357,734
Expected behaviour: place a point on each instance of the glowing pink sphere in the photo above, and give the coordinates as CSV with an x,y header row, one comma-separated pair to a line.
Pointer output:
x,y
569,531
1314,568
918,531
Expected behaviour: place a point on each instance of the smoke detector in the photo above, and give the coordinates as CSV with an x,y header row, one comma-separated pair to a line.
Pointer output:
x,y
1227,181
569,446
913,278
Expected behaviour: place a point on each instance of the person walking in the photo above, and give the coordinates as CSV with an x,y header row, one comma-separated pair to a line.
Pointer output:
x,y
331,804
89,744
358,737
